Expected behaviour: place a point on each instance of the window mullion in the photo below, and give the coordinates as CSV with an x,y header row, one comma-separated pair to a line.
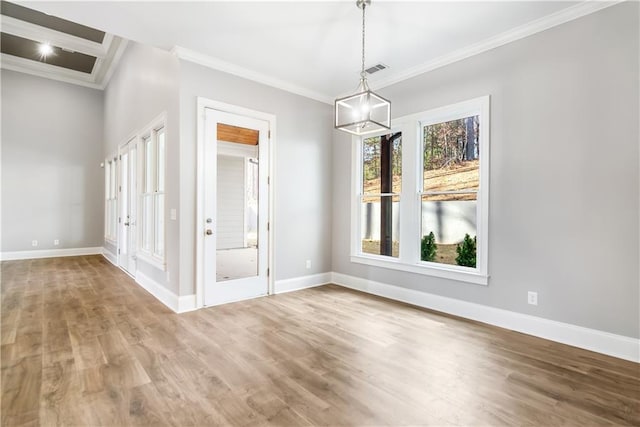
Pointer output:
x,y
356,185
409,221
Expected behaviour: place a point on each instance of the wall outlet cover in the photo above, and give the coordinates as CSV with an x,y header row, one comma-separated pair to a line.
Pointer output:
x,y
532,298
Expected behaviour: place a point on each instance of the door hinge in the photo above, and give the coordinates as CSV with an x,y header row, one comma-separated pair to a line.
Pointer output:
x,y
269,134
119,220
268,180
118,251
268,226
268,271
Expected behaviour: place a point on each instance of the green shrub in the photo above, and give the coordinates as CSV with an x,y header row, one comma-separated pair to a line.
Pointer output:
x,y
428,247
467,252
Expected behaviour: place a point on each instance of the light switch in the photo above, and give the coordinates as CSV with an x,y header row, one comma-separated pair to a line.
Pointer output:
x,y
173,214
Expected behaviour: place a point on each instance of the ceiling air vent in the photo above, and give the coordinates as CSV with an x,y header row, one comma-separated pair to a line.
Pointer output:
x,y
376,68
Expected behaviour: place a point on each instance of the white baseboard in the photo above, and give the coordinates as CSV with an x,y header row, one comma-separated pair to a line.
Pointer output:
x,y
174,302
186,303
49,253
161,293
297,283
110,256
590,339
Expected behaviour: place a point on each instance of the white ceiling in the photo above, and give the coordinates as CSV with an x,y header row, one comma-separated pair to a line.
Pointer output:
x,y
315,46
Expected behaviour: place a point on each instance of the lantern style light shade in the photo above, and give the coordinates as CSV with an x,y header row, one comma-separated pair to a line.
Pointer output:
x,y
363,113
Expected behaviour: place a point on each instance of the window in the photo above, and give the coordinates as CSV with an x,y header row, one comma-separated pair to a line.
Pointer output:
x,y
111,203
448,197
425,212
380,194
152,212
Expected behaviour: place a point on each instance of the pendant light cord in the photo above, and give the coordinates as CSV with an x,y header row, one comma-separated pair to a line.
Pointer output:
x,y
362,74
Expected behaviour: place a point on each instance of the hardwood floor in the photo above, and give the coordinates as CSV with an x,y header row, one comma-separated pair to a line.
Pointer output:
x,y
82,344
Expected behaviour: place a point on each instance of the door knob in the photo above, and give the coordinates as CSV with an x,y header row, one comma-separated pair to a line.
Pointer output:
x,y
208,232
126,223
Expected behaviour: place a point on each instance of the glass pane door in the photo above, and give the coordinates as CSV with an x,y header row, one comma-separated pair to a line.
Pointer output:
x,y
237,211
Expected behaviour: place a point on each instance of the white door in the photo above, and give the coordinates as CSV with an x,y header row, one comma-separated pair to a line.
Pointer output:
x,y
127,197
236,165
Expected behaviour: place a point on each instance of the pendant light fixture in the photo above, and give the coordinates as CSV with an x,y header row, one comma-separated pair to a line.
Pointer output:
x,y
363,112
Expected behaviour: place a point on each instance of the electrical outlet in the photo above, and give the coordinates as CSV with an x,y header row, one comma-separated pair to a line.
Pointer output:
x,y
34,243
308,263
56,242
532,298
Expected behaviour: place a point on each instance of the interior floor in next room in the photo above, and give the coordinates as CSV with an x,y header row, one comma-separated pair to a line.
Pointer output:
x,y
236,263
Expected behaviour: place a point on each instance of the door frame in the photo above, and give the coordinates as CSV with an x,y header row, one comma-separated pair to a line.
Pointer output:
x,y
132,142
202,105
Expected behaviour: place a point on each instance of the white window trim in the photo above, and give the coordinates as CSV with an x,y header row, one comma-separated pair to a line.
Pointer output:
x,y
410,213
150,256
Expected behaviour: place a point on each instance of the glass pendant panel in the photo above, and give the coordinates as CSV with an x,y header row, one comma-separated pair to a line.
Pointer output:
x,y
362,113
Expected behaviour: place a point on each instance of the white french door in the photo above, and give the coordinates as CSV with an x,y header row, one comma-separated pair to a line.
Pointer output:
x,y
236,207
127,207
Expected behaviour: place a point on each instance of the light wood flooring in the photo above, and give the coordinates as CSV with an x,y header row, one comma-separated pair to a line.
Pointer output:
x,y
82,344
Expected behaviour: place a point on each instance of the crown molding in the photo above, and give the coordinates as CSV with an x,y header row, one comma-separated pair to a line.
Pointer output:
x,y
558,18
116,49
47,71
571,13
227,67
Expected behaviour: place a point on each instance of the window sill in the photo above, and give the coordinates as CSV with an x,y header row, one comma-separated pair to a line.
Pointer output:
x,y
152,260
427,270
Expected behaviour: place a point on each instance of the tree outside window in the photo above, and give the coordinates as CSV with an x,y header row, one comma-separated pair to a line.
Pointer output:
x,y
450,189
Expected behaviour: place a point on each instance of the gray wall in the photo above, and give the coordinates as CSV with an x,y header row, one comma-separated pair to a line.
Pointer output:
x,y
302,169
564,172
52,183
146,84
149,81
